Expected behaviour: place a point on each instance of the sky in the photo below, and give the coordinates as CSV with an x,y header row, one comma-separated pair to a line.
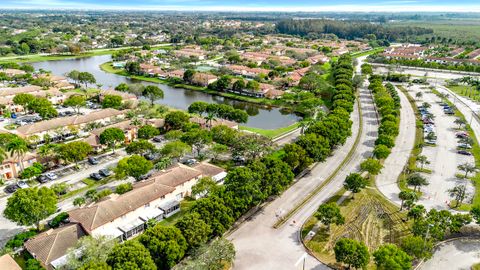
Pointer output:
x,y
253,5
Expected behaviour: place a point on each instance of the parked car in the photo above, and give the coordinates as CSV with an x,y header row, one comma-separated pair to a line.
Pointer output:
x,y
22,184
464,152
464,146
93,161
158,138
151,156
11,188
448,111
105,172
42,179
432,141
51,176
190,162
96,176
462,134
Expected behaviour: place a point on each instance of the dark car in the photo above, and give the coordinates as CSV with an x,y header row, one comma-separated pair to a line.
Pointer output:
x,y
464,152
11,188
92,160
42,179
105,172
190,161
158,138
96,176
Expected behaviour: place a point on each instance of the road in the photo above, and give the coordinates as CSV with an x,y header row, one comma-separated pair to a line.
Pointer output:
x,y
259,246
386,181
454,255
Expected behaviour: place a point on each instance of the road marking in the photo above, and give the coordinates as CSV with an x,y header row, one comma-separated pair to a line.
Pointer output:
x,y
303,257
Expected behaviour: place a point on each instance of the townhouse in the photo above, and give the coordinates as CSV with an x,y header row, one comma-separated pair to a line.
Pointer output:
x,y
12,165
8,263
59,127
57,81
10,72
203,79
126,126
191,52
122,216
246,71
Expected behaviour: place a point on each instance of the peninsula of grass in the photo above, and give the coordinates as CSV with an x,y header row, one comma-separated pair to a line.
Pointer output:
x,y
271,133
369,218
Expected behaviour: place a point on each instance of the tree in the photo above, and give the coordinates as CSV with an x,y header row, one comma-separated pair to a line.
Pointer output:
x,y
214,256
253,85
76,102
389,256
419,95
188,75
204,186
215,213
296,157
79,201
475,212
153,93
239,85
29,206
35,170
123,87
381,151
197,138
92,250
175,149
194,229
407,196
416,180
123,188
74,151
218,149
467,168
328,214
130,255
224,135
176,120
147,132
111,137
372,166
417,247
167,245
459,193
24,100
317,147
460,122
95,266
353,253
422,160
74,75
134,166
112,101
17,148
355,183
140,147
416,212
86,78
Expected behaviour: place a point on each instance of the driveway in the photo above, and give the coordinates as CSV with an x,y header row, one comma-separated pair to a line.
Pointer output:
x,y
259,246
454,255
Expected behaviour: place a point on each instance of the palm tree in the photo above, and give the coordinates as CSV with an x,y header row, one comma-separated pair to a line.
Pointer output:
x,y
209,118
3,154
18,147
422,160
467,168
407,196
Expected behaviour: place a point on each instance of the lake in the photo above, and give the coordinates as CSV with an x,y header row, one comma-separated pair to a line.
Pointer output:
x,y
260,116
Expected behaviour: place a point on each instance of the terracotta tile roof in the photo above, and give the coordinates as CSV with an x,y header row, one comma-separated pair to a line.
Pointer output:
x,y
12,72
8,263
175,176
115,206
124,95
124,125
66,121
53,244
217,122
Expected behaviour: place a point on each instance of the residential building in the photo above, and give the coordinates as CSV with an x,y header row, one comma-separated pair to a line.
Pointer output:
x,y
8,263
126,126
12,166
217,122
191,52
50,247
60,125
203,79
246,71
126,97
10,72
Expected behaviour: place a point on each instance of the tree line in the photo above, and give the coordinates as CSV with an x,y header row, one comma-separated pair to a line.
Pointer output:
x,y
348,29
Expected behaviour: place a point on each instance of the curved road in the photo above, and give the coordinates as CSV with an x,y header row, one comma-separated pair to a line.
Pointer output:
x,y
453,255
259,246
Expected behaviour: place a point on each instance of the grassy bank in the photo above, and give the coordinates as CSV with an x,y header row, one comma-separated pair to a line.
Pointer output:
x,y
51,57
360,54
271,133
466,91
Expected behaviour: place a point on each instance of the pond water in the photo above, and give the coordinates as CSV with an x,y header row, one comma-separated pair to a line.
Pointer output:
x,y
260,116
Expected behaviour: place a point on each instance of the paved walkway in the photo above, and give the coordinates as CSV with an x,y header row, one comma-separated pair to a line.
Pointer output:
x,y
394,164
259,246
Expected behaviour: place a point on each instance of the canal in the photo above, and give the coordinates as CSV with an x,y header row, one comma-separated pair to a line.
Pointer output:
x,y
260,116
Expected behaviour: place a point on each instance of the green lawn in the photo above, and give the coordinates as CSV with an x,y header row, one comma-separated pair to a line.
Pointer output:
x,y
466,91
185,206
271,133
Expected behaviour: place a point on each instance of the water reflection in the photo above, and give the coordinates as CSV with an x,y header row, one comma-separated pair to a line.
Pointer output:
x,y
260,117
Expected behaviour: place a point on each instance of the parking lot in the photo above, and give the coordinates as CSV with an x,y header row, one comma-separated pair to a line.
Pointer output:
x,y
442,153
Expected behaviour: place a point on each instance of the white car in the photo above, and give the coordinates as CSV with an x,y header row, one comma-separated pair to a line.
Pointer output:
x,y
51,176
22,184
